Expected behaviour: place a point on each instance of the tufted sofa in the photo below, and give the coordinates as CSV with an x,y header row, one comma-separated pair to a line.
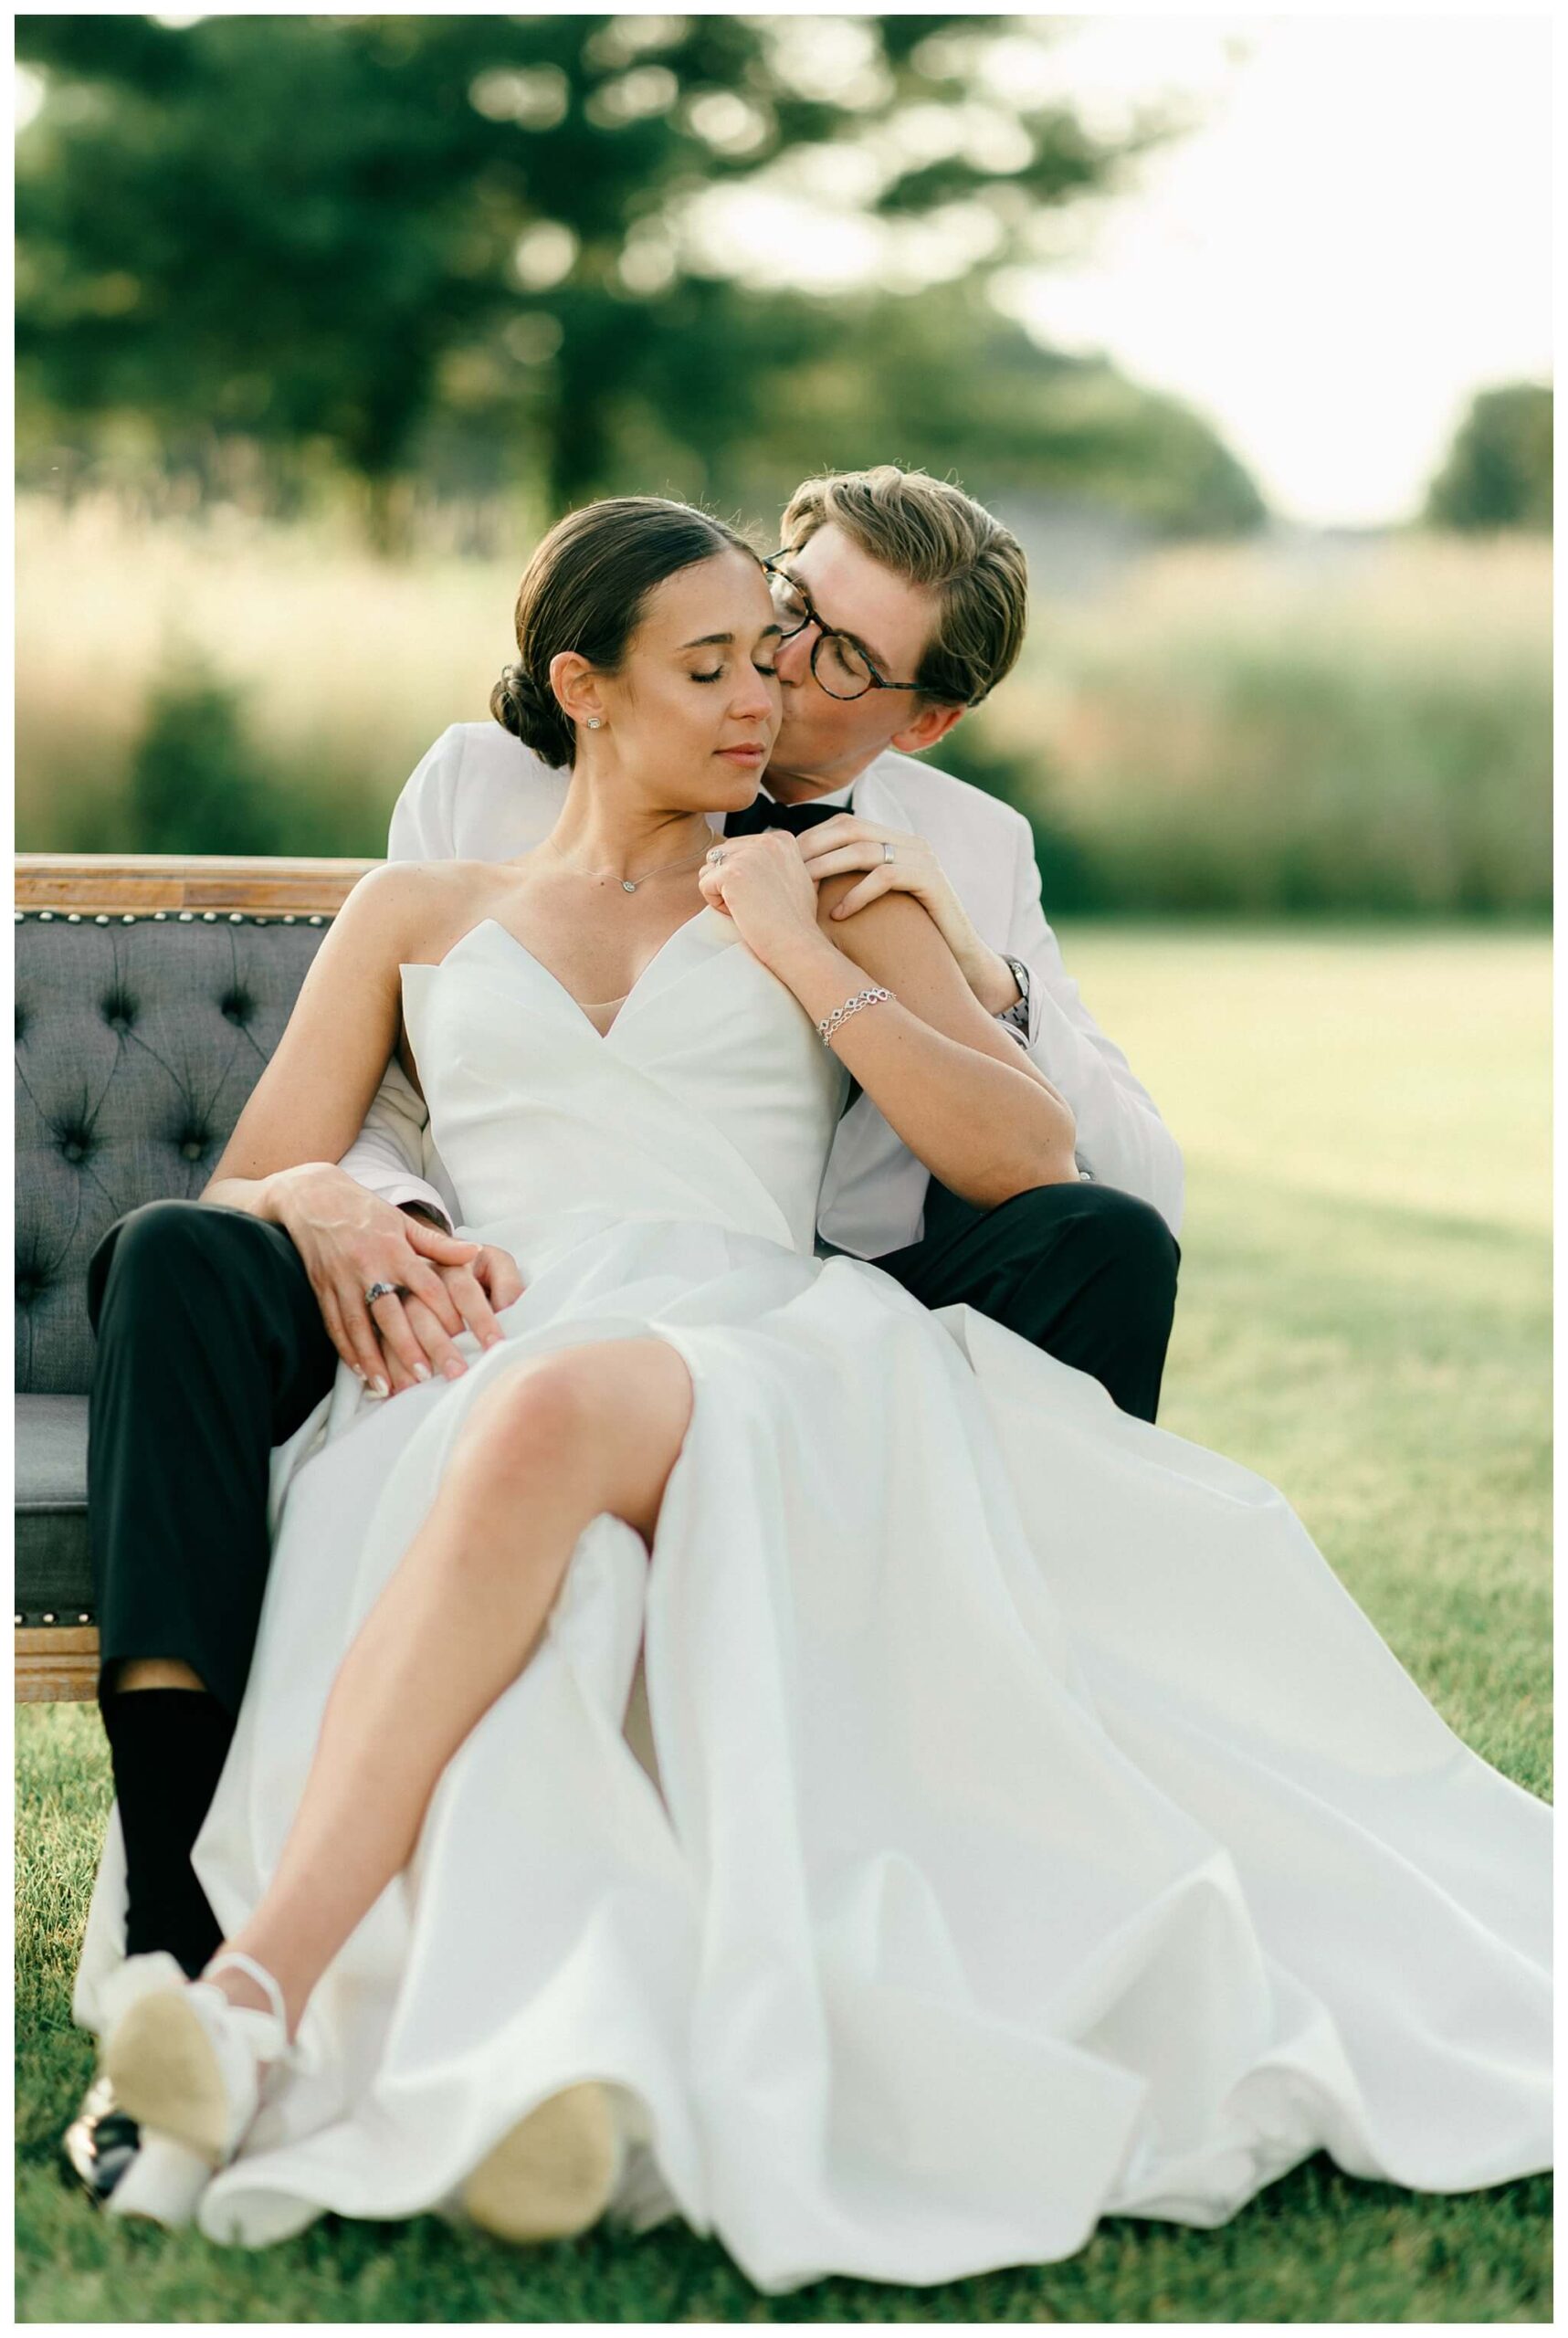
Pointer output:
x,y
150,993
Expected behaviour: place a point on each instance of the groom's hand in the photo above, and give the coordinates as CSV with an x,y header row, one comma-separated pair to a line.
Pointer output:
x,y
349,1241
834,846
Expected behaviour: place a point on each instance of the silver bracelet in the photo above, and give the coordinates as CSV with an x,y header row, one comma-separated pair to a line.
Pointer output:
x,y
830,1023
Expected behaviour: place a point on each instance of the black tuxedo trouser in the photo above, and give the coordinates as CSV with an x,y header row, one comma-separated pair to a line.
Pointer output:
x,y
211,1351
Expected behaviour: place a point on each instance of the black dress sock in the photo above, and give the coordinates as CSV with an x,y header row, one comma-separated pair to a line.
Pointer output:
x,y
168,1747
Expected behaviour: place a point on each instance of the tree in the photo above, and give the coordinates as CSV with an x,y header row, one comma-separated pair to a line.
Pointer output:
x,y
1498,473
946,382
327,231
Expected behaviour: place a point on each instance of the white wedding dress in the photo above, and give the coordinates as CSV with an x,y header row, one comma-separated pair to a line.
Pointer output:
x,y
1041,1832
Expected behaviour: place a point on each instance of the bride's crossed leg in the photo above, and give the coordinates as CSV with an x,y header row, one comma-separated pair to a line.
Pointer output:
x,y
559,1441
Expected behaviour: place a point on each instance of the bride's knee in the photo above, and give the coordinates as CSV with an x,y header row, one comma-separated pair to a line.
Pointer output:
x,y
601,1424
537,1417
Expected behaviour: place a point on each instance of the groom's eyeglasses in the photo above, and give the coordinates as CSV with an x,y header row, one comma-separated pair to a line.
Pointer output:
x,y
839,663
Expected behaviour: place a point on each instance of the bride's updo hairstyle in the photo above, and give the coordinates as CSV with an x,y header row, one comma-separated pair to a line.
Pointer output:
x,y
584,591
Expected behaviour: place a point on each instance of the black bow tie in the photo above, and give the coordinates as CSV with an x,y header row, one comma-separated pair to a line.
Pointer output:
x,y
763,812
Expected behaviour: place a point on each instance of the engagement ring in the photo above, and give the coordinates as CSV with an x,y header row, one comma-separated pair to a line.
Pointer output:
x,y
382,1290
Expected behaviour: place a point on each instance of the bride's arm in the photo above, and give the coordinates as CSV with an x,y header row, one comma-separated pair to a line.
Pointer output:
x,y
963,1096
308,1104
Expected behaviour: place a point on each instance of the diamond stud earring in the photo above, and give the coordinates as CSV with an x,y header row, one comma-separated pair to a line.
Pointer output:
x,y
594,724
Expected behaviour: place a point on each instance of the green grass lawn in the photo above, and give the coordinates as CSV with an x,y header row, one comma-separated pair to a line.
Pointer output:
x,y
1364,1317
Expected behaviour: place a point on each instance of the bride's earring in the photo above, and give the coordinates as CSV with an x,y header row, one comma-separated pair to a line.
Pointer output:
x,y
594,724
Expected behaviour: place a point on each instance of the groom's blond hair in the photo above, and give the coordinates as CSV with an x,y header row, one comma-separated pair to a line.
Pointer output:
x,y
928,532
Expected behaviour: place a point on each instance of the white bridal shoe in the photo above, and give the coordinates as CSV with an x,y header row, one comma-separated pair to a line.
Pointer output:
x,y
554,2174
163,2184
184,2060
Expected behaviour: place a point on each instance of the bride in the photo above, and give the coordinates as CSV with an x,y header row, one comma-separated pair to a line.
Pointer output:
x,y
1026,1826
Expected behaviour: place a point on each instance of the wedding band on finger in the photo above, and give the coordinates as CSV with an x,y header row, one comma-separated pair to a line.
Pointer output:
x,y
887,854
717,853
383,1291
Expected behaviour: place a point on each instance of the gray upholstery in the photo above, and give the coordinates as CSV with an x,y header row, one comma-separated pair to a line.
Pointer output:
x,y
138,1040
54,1571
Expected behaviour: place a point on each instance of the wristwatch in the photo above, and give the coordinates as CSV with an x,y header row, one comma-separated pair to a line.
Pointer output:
x,y
1016,1017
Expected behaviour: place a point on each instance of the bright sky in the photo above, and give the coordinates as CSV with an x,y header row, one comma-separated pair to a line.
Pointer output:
x,y
1357,240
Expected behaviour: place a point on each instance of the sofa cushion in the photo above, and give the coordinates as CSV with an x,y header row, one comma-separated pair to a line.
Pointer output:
x,y
139,1038
54,1568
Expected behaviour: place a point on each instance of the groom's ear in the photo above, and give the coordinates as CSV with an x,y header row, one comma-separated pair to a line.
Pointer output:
x,y
931,724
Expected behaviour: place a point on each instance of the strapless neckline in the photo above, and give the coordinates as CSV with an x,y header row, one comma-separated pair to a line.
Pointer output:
x,y
494,925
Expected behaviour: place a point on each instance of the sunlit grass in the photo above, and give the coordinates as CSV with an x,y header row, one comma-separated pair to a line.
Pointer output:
x,y
1364,1317
1412,1071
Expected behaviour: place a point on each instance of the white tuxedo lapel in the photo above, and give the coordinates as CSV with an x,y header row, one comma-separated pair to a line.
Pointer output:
x,y
874,797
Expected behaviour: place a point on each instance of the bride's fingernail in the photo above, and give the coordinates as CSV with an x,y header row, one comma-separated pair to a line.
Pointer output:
x,y
421,1372
454,1368
379,1387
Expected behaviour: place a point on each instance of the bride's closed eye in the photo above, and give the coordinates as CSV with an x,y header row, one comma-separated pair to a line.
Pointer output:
x,y
718,673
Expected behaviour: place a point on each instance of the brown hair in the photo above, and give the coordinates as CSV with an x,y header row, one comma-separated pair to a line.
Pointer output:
x,y
930,532
586,590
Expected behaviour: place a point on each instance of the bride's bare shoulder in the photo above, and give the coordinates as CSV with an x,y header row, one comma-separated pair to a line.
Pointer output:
x,y
410,909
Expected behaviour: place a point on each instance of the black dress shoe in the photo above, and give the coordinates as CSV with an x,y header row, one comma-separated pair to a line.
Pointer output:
x,y
102,2142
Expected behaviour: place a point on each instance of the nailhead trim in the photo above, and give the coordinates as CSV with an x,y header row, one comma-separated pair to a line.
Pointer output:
x,y
48,1616
160,917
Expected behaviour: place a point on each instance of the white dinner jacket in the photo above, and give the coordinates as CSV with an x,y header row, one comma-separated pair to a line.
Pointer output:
x,y
481,794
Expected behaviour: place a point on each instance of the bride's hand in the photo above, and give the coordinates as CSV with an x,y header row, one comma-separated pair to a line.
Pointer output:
x,y
479,1290
349,1240
761,881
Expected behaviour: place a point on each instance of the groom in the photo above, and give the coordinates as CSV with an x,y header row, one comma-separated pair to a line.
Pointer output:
x,y
902,603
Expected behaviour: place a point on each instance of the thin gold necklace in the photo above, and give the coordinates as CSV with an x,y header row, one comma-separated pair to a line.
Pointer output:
x,y
629,884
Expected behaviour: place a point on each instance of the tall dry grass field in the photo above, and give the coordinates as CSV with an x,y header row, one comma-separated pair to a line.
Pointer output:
x,y
349,666
1346,726
1234,728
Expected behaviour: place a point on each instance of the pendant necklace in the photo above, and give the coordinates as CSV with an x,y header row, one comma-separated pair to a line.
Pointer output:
x,y
630,884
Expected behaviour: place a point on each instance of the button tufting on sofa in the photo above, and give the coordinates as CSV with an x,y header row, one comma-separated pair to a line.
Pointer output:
x,y
103,1128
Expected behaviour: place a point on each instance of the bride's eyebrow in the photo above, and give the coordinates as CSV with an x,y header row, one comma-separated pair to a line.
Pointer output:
x,y
726,640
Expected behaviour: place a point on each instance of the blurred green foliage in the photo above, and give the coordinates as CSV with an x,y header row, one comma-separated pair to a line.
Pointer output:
x,y
195,783
1498,470
458,248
